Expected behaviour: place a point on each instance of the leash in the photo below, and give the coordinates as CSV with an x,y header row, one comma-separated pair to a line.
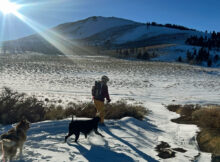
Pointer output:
x,y
86,105
74,117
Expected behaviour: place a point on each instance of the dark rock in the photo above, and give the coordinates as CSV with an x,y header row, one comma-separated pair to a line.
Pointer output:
x,y
166,153
163,145
179,150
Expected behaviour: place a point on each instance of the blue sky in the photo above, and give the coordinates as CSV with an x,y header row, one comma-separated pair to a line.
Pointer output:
x,y
198,14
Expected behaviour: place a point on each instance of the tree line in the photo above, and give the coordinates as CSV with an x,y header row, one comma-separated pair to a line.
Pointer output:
x,y
200,56
174,26
138,53
212,42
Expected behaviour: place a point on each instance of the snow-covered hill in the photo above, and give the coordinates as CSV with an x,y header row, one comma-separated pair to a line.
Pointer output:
x,y
90,26
100,31
143,34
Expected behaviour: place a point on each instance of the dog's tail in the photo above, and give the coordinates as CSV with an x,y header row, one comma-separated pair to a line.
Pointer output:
x,y
7,143
73,117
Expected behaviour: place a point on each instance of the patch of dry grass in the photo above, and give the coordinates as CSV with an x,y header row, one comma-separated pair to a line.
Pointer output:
x,y
209,141
208,117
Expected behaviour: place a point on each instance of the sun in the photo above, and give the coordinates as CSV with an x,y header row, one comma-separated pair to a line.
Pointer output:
x,y
7,7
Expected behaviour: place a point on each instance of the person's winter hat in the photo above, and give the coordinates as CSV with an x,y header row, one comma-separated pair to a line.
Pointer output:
x,y
105,78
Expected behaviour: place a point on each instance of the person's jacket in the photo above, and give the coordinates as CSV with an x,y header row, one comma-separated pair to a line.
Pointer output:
x,y
104,94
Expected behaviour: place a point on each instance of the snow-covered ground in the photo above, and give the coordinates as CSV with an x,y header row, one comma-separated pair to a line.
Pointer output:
x,y
152,84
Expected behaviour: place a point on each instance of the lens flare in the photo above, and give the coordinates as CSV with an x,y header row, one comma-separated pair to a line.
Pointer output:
x,y
61,43
7,7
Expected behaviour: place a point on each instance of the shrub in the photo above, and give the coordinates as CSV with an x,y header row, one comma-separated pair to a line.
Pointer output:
x,y
14,106
121,109
54,113
116,110
81,110
208,117
173,108
185,110
209,141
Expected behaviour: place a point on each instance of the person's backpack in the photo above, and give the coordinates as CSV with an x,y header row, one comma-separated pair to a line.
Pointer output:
x,y
97,89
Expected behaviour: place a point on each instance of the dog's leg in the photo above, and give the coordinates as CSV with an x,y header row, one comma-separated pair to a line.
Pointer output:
x,y
21,149
96,132
3,152
69,134
77,136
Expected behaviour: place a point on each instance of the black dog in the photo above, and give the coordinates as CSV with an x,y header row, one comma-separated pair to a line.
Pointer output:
x,y
83,126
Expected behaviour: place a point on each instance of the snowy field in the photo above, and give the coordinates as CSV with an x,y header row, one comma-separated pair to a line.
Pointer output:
x,y
152,84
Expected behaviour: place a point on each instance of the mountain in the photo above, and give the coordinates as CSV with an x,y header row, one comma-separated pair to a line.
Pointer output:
x,y
107,32
90,26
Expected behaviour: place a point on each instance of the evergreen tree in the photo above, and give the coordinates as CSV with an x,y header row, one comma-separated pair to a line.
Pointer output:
x,y
126,53
189,55
180,59
139,56
214,35
216,58
132,51
194,52
209,63
146,56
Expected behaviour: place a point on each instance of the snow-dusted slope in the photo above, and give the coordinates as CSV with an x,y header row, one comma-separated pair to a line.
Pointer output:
x,y
147,32
90,26
101,31
119,31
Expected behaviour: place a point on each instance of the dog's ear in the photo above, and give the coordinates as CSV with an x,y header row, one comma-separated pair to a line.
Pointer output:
x,y
23,119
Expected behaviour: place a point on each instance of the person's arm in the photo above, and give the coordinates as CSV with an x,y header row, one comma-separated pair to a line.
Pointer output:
x,y
93,92
106,94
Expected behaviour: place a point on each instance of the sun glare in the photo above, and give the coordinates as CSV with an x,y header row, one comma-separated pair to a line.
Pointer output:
x,y
60,42
7,7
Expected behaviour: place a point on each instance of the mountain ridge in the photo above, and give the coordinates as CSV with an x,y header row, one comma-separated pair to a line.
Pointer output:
x,y
107,32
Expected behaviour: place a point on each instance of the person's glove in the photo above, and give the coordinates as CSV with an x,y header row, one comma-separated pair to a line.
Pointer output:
x,y
109,100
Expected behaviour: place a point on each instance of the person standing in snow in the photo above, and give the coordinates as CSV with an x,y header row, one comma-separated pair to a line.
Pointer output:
x,y
99,93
